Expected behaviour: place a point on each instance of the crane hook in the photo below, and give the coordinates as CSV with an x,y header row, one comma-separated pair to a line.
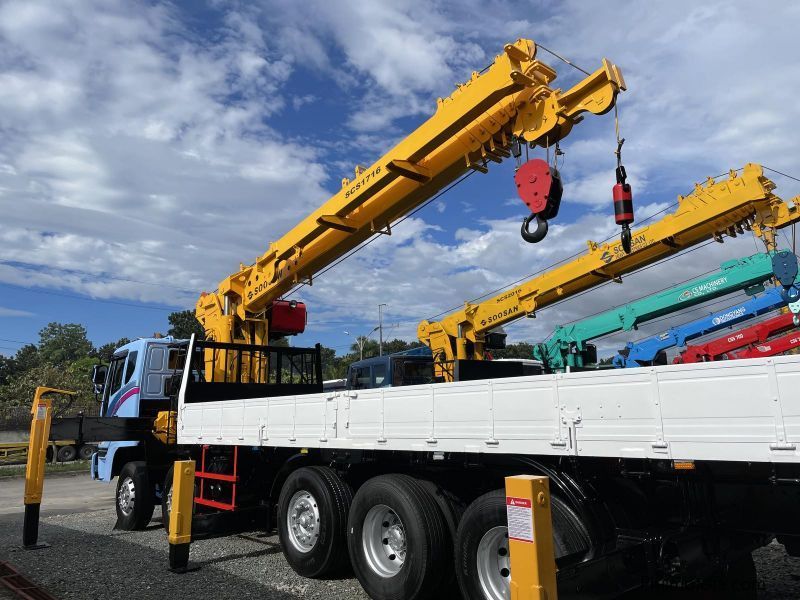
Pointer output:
x,y
536,236
625,238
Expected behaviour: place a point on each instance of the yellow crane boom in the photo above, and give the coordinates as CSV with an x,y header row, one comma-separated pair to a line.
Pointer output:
x,y
711,211
475,125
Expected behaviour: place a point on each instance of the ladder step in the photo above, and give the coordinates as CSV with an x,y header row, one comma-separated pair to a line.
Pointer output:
x,y
216,476
215,504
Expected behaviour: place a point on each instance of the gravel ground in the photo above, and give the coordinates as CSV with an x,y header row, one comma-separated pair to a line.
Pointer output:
x,y
88,560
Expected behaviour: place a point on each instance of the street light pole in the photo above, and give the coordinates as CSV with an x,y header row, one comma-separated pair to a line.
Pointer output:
x,y
362,339
380,327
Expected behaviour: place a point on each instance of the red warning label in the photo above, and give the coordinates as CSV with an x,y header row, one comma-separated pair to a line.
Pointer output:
x,y
519,512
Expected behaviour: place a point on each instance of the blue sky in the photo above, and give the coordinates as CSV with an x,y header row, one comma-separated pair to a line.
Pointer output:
x,y
148,148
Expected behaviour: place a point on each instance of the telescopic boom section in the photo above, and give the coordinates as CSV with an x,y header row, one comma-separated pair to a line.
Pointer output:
x,y
712,211
718,348
569,344
471,128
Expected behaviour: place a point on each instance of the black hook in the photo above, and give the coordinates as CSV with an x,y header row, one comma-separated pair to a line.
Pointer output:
x,y
626,239
536,236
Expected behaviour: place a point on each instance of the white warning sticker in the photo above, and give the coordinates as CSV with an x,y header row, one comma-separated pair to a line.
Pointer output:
x,y
41,413
520,519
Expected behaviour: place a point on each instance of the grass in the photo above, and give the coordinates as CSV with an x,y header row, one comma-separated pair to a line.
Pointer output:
x,y
76,466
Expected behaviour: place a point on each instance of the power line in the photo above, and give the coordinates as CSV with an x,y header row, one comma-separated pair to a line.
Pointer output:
x,y
372,239
543,269
88,299
96,276
14,341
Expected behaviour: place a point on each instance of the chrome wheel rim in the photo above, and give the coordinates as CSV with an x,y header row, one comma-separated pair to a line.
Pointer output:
x,y
302,521
494,567
383,540
169,501
126,496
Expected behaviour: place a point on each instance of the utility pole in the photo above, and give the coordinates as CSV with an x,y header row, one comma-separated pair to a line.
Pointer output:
x,y
380,328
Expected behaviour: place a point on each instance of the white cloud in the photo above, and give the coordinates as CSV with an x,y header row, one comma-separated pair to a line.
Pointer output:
x,y
137,149
12,312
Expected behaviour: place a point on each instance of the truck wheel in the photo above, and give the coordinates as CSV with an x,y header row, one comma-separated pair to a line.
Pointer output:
x,y
66,454
86,451
135,501
166,498
398,539
312,521
481,547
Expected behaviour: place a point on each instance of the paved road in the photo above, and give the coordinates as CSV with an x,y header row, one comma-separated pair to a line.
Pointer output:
x,y
87,559
63,492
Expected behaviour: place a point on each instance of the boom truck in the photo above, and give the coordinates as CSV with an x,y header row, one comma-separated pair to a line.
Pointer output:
x,y
719,348
670,474
652,350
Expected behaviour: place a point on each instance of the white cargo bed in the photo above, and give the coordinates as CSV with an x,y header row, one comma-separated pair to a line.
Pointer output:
x,y
742,410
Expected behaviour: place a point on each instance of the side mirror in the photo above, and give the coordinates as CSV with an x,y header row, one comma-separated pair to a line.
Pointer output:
x,y
99,373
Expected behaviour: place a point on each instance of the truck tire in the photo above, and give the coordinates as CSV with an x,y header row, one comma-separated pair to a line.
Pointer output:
x,y
398,539
66,453
166,498
312,521
481,547
135,500
85,452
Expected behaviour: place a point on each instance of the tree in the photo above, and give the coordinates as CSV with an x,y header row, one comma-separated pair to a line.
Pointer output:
x,y
333,367
19,391
8,366
518,350
104,352
371,347
280,342
184,324
62,343
26,358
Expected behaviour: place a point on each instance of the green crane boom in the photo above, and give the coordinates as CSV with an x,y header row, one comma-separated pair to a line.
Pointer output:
x,y
568,346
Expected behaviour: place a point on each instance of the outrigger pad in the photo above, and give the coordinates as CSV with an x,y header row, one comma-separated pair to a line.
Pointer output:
x,y
179,557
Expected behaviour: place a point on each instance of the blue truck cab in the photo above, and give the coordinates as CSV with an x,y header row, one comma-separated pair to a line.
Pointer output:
x,y
132,386
415,367
410,367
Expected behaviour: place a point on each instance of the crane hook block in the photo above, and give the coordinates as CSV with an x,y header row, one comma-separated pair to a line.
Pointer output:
x,y
539,186
623,207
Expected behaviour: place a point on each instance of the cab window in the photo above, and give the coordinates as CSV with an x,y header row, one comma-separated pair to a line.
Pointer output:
x,y
417,372
360,378
379,375
130,366
117,369
176,359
